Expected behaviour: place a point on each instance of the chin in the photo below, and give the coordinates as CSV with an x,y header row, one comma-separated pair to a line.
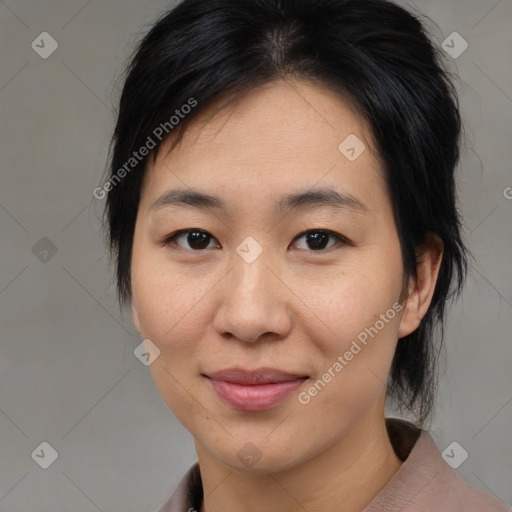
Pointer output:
x,y
260,465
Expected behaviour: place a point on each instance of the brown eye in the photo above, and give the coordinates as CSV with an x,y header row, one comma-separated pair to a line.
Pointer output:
x,y
196,239
317,240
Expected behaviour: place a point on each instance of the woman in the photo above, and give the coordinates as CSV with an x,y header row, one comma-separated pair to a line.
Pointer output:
x,y
281,205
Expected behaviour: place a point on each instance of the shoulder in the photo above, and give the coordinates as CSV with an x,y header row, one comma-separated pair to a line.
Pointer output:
x,y
448,492
425,482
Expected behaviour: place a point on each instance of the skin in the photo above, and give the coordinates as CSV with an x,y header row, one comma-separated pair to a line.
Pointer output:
x,y
293,308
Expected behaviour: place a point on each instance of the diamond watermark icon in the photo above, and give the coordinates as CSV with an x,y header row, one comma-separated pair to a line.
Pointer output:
x,y
45,455
249,454
454,455
352,147
249,250
146,352
454,45
44,45
44,250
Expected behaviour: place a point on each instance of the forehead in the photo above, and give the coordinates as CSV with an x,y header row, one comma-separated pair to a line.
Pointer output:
x,y
273,137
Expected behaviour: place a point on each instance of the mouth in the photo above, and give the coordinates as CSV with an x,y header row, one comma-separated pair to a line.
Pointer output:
x,y
254,390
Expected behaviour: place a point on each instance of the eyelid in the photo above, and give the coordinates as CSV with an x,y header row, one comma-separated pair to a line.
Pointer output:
x,y
171,238
332,234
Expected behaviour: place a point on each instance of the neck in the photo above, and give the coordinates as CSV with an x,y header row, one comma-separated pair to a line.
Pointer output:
x,y
345,477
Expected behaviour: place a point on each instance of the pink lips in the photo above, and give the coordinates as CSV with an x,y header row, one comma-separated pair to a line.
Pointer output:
x,y
254,390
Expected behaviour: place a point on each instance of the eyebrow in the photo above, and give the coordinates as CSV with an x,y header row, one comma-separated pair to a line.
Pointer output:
x,y
314,198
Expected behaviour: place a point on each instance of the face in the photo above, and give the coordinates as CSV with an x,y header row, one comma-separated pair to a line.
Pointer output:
x,y
293,272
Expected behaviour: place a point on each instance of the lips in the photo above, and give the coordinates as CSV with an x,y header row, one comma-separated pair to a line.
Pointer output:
x,y
253,377
254,390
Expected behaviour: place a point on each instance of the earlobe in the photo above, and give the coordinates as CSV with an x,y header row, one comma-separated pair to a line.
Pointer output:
x,y
135,315
421,290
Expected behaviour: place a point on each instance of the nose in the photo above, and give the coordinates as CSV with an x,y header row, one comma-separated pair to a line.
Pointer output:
x,y
253,302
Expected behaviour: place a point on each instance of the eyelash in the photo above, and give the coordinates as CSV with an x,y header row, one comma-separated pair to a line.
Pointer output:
x,y
171,239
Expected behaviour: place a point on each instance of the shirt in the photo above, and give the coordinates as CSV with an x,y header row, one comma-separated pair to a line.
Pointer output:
x,y
423,483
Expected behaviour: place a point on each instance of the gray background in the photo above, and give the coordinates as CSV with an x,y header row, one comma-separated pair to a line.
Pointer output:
x,y
68,375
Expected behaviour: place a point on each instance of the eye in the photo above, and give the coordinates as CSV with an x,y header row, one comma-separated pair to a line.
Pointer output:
x,y
317,239
196,239
199,240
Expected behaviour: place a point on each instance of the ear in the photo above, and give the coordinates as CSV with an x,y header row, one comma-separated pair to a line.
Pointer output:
x,y
421,290
135,315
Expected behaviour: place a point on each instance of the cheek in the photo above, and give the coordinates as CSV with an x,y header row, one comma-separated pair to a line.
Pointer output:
x,y
346,304
169,307
360,318
355,366
171,316
168,299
